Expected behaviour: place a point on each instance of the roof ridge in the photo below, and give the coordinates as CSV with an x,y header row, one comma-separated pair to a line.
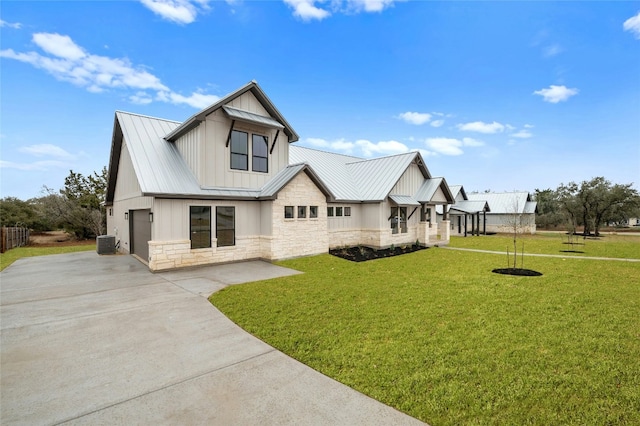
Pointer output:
x,y
148,116
385,157
327,152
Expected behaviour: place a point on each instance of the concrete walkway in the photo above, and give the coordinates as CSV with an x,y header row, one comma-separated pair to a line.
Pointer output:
x,y
90,339
559,256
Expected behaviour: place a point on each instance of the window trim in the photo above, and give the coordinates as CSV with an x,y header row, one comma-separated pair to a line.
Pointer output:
x,y
191,231
232,229
347,211
264,139
303,210
313,212
291,210
339,211
232,153
329,211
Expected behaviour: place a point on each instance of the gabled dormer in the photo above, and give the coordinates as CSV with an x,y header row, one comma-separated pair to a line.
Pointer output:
x,y
241,141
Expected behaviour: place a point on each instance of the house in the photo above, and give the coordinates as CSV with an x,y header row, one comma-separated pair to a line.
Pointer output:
x,y
227,185
508,210
466,213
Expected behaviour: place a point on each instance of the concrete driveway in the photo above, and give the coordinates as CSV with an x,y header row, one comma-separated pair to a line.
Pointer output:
x,y
90,339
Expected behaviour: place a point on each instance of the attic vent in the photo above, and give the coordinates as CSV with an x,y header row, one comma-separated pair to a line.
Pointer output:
x,y
106,244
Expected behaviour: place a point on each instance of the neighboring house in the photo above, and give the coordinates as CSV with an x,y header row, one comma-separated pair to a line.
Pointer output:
x,y
225,185
508,209
467,216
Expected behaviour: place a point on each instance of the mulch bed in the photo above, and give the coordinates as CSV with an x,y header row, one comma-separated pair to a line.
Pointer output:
x,y
517,271
362,253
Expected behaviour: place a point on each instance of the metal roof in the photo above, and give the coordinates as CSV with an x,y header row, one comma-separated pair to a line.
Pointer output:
x,y
505,202
158,164
428,189
331,168
404,200
471,206
458,190
356,179
252,87
279,181
249,117
530,207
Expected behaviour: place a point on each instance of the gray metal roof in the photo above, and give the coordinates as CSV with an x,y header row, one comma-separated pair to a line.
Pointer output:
x,y
404,200
505,202
356,179
252,87
471,206
158,164
530,207
279,181
249,117
428,189
458,190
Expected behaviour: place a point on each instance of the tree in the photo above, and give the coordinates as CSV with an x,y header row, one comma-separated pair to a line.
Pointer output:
x,y
78,207
596,201
548,214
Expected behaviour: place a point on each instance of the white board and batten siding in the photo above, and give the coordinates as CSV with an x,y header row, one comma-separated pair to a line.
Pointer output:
x,y
206,152
173,217
410,181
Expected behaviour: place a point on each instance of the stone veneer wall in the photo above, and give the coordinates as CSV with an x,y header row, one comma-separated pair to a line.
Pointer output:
x,y
164,255
345,238
298,236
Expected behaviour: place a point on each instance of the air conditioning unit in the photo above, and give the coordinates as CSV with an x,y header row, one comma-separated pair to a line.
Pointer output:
x,y
106,244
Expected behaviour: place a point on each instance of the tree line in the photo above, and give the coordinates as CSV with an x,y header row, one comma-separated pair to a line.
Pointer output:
x,y
589,204
78,207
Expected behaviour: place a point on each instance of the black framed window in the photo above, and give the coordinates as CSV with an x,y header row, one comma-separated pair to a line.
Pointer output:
x,y
260,154
330,211
338,211
313,212
239,150
398,220
226,226
302,212
288,212
200,226
347,211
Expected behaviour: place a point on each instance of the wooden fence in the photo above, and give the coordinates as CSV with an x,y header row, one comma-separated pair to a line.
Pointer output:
x,y
13,237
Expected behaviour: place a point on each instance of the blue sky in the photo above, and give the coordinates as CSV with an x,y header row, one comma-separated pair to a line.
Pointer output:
x,y
497,96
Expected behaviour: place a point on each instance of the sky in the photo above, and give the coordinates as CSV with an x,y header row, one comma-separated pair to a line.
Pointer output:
x,y
498,96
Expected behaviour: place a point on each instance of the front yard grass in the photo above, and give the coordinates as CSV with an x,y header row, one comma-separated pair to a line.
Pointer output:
x,y
436,335
619,246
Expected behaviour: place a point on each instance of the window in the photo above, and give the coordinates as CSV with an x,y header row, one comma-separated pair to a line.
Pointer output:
x,y
313,212
338,211
347,211
260,154
226,226
398,220
200,226
288,212
330,211
239,150
302,212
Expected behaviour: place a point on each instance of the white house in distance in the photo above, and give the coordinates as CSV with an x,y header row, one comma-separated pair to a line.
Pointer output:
x,y
226,185
490,212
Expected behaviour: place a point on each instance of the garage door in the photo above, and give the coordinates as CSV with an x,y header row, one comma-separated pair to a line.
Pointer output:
x,y
140,233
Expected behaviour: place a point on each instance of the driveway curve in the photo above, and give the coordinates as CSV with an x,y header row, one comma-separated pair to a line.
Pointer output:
x,y
90,339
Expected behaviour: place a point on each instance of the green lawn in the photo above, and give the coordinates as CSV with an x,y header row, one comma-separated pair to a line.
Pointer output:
x,y
622,246
12,255
438,336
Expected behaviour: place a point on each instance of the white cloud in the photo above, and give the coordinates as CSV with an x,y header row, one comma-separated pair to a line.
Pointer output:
x,y
366,148
306,10
436,123
368,5
529,126
552,50
14,25
451,146
522,134
416,118
633,25
42,150
369,149
471,142
178,11
59,45
37,165
96,73
555,94
482,127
